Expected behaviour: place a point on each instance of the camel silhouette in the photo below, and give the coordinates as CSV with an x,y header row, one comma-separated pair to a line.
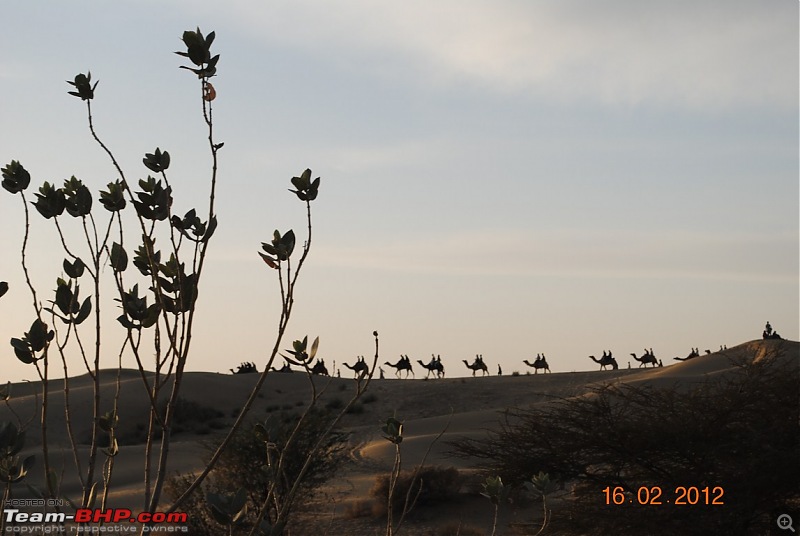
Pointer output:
x,y
477,365
245,368
320,368
539,363
285,368
435,366
403,364
647,357
360,369
606,360
694,353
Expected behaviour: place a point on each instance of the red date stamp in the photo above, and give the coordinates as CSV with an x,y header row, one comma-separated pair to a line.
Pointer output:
x,y
655,496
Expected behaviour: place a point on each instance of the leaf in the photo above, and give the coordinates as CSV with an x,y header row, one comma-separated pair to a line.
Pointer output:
x,y
50,202
75,268
3,288
314,347
38,336
122,319
269,260
119,259
64,299
26,356
15,177
156,161
85,90
78,198
287,244
113,199
86,309
212,226
152,316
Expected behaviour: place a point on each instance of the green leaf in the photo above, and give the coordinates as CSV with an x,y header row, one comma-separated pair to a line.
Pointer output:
x,y
152,316
287,244
306,190
114,199
38,336
156,161
122,319
15,177
86,309
78,198
119,259
26,356
75,268
64,299
85,90
50,202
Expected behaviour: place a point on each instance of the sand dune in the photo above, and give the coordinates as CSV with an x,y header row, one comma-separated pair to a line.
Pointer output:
x,y
466,406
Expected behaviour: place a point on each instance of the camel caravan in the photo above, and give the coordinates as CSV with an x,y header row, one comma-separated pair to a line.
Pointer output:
x,y
435,368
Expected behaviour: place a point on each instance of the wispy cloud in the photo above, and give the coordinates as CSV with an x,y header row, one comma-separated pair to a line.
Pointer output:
x,y
695,54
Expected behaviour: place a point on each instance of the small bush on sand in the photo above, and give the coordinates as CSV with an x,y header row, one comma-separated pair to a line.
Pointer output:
x,y
247,464
430,486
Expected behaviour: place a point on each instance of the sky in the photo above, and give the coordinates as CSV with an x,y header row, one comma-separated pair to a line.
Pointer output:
x,y
501,177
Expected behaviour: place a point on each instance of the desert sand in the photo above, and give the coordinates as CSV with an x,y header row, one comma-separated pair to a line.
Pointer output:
x,y
461,406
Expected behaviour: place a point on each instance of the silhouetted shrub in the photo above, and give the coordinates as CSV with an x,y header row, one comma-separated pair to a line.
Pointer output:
x,y
737,431
247,464
430,486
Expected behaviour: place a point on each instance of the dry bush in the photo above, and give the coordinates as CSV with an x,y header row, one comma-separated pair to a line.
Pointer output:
x,y
737,431
429,486
245,464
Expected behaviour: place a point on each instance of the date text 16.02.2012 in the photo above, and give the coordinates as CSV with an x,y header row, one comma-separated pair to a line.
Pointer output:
x,y
654,496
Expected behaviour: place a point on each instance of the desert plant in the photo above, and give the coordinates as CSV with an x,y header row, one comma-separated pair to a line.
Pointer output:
x,y
250,463
429,485
13,469
157,277
496,492
162,317
393,432
736,433
543,486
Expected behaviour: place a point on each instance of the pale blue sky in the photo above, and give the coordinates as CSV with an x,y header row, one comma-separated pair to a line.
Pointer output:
x,y
503,177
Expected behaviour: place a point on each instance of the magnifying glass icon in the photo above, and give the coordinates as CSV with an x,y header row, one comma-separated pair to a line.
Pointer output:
x,y
785,522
